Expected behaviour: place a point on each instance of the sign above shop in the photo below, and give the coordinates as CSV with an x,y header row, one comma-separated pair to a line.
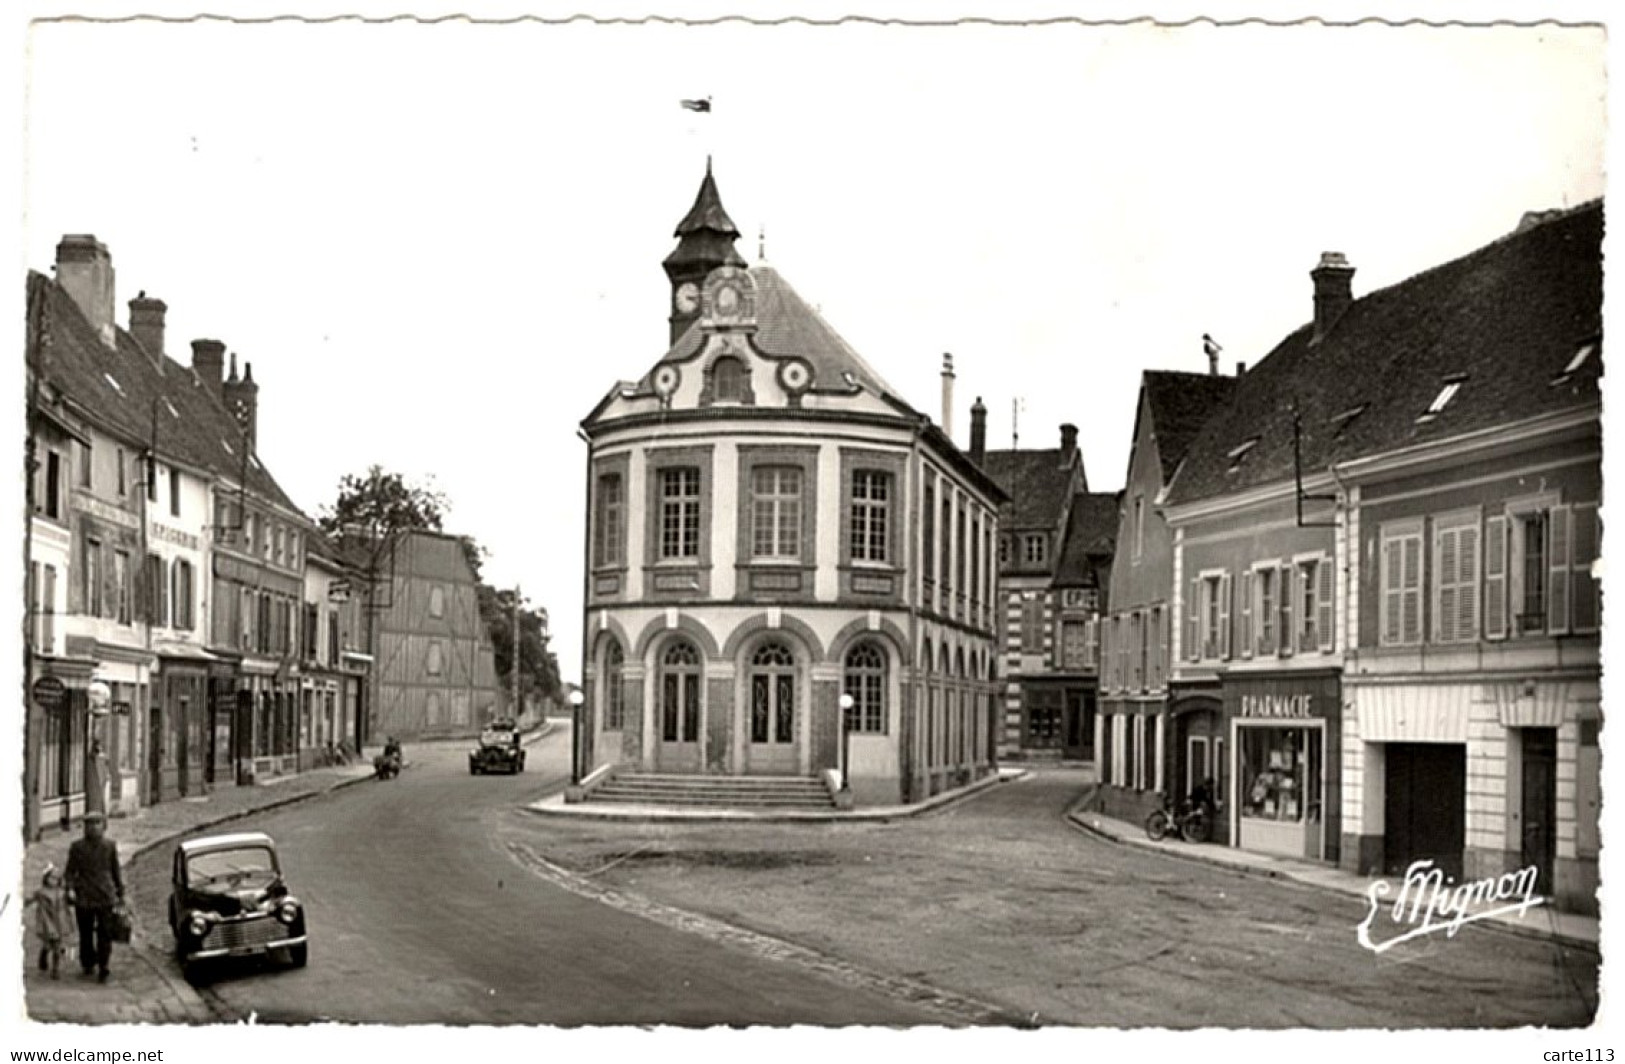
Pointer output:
x,y
1296,707
49,692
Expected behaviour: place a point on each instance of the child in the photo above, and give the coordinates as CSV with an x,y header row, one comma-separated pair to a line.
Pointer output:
x,y
50,909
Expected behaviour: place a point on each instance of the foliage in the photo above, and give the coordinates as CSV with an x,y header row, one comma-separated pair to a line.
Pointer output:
x,y
374,509
538,666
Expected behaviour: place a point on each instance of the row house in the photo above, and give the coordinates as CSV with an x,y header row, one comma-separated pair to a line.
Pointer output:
x,y
1383,570
771,529
334,656
1147,741
165,565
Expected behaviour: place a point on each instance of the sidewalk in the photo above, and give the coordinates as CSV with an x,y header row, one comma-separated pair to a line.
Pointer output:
x,y
145,988
1541,922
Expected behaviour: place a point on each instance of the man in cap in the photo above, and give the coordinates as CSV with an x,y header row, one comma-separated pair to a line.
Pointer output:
x,y
95,889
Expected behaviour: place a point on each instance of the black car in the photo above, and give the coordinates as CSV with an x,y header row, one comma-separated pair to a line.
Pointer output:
x,y
499,750
228,899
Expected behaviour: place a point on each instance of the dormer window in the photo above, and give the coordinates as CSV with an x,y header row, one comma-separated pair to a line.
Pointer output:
x,y
1238,452
1585,352
1034,549
728,380
1452,385
1346,418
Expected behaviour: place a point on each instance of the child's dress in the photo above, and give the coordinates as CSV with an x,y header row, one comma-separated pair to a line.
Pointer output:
x,y
50,912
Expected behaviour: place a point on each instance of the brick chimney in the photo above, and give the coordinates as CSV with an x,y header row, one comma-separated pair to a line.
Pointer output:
x,y
1334,291
84,269
978,431
948,396
147,323
1069,442
209,362
243,399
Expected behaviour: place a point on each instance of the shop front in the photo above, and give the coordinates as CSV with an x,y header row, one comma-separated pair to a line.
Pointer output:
x,y
1285,742
1196,754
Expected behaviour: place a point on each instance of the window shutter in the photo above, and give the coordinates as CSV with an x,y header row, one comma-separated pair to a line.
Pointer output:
x,y
1246,648
1107,666
1444,579
1411,593
1091,643
1288,635
1467,583
1193,610
1495,578
1557,594
1583,590
1224,616
1325,603
1390,591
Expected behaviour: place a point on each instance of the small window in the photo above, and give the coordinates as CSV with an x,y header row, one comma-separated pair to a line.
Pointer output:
x,y
1239,452
174,492
1346,418
123,481
1580,356
1034,549
432,660
1452,385
728,380
117,387
437,601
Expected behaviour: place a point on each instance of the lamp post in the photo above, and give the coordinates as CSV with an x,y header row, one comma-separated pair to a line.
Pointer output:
x,y
576,699
847,703
100,699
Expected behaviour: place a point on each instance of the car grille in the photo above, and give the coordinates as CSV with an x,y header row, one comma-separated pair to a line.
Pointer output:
x,y
255,931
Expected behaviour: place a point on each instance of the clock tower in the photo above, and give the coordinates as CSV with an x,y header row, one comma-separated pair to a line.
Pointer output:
x,y
705,240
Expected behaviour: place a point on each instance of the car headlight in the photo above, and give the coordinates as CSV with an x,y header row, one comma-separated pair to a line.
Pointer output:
x,y
198,925
288,911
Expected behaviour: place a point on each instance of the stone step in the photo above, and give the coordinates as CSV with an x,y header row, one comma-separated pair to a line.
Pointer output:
x,y
744,792
724,801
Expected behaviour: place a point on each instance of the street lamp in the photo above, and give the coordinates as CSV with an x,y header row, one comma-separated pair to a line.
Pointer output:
x,y
100,700
576,699
847,702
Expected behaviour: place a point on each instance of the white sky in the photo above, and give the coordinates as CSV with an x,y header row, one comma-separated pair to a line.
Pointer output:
x,y
439,245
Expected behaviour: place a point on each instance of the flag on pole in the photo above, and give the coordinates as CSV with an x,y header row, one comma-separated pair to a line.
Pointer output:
x,y
697,105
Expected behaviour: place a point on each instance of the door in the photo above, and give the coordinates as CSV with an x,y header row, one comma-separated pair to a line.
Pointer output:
x,y
1540,803
678,721
183,754
773,749
1078,725
1425,806
155,751
1197,766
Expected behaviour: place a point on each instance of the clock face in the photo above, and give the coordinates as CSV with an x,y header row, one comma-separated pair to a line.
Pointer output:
x,y
686,298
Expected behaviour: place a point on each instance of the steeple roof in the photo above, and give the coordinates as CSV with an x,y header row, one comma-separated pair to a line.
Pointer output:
x,y
706,234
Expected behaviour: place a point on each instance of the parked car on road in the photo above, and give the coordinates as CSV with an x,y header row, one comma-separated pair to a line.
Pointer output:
x,y
228,899
499,750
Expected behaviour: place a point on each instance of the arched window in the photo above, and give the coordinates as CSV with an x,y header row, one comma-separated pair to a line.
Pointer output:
x,y
680,693
866,683
773,694
614,690
728,380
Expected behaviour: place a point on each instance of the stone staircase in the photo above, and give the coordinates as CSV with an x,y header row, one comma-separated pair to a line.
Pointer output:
x,y
715,792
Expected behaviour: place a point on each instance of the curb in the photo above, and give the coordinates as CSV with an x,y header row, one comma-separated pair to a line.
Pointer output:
x,y
1074,818
736,816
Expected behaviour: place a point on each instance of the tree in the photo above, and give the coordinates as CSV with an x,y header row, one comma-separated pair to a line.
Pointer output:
x,y
379,506
538,666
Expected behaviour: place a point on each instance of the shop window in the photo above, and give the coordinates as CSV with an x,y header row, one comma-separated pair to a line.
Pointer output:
x,y
1280,774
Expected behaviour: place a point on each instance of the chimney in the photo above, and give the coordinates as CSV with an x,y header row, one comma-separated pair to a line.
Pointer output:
x,y
1241,369
84,269
978,431
1334,291
243,399
147,323
1069,442
209,362
948,396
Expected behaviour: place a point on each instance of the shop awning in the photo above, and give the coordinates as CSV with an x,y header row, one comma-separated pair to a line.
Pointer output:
x,y
1413,713
170,648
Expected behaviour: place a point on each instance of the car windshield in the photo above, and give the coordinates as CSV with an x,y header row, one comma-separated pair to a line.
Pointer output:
x,y
248,864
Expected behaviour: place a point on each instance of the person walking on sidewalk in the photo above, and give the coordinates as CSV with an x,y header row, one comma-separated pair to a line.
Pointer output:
x,y
95,889
50,912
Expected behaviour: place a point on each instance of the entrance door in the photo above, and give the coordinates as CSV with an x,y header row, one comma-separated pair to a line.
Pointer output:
x,y
678,746
1078,725
1425,806
1540,803
773,749
155,751
183,752
1197,765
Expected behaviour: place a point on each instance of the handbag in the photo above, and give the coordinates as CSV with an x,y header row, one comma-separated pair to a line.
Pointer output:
x,y
122,927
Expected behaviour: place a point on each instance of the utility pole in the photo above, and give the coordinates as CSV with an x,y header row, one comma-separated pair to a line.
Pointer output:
x,y
513,665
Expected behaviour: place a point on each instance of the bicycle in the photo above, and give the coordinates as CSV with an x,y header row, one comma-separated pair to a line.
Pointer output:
x,y
1192,823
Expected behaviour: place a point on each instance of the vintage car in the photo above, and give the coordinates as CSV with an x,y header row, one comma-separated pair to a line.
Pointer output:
x,y
227,898
499,750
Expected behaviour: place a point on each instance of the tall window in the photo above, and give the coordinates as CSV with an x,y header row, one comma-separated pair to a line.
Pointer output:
x,y
1531,615
82,457
871,512
311,641
614,687
928,515
1139,526
157,577
776,513
1401,585
680,513
611,519
1210,616
174,492
946,531
123,478
1074,645
434,659
48,489
1455,574
1265,608
866,683
680,693
1004,550
121,584
960,550
772,694
1032,623
728,380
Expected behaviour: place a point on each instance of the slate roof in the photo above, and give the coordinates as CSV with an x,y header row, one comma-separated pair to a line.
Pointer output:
x,y
1507,318
1180,404
1091,532
193,427
1037,482
707,233
786,325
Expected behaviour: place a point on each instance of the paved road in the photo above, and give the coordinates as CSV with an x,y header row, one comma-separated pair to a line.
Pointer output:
x,y
998,898
421,914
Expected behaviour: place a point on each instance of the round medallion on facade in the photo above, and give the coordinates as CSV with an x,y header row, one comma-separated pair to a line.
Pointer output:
x,y
795,375
666,379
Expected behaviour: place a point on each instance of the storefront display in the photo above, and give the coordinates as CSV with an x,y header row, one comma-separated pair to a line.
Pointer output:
x,y
1284,731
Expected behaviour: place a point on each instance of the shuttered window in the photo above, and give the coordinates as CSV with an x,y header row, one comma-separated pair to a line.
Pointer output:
x,y
1455,574
1402,586
1557,620
1222,585
1495,578
1325,605
1248,635
1285,593
1584,593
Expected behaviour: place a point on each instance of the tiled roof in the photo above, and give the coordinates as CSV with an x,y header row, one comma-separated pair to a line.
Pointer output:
x,y
1506,320
786,325
1091,531
1038,483
1180,404
122,388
